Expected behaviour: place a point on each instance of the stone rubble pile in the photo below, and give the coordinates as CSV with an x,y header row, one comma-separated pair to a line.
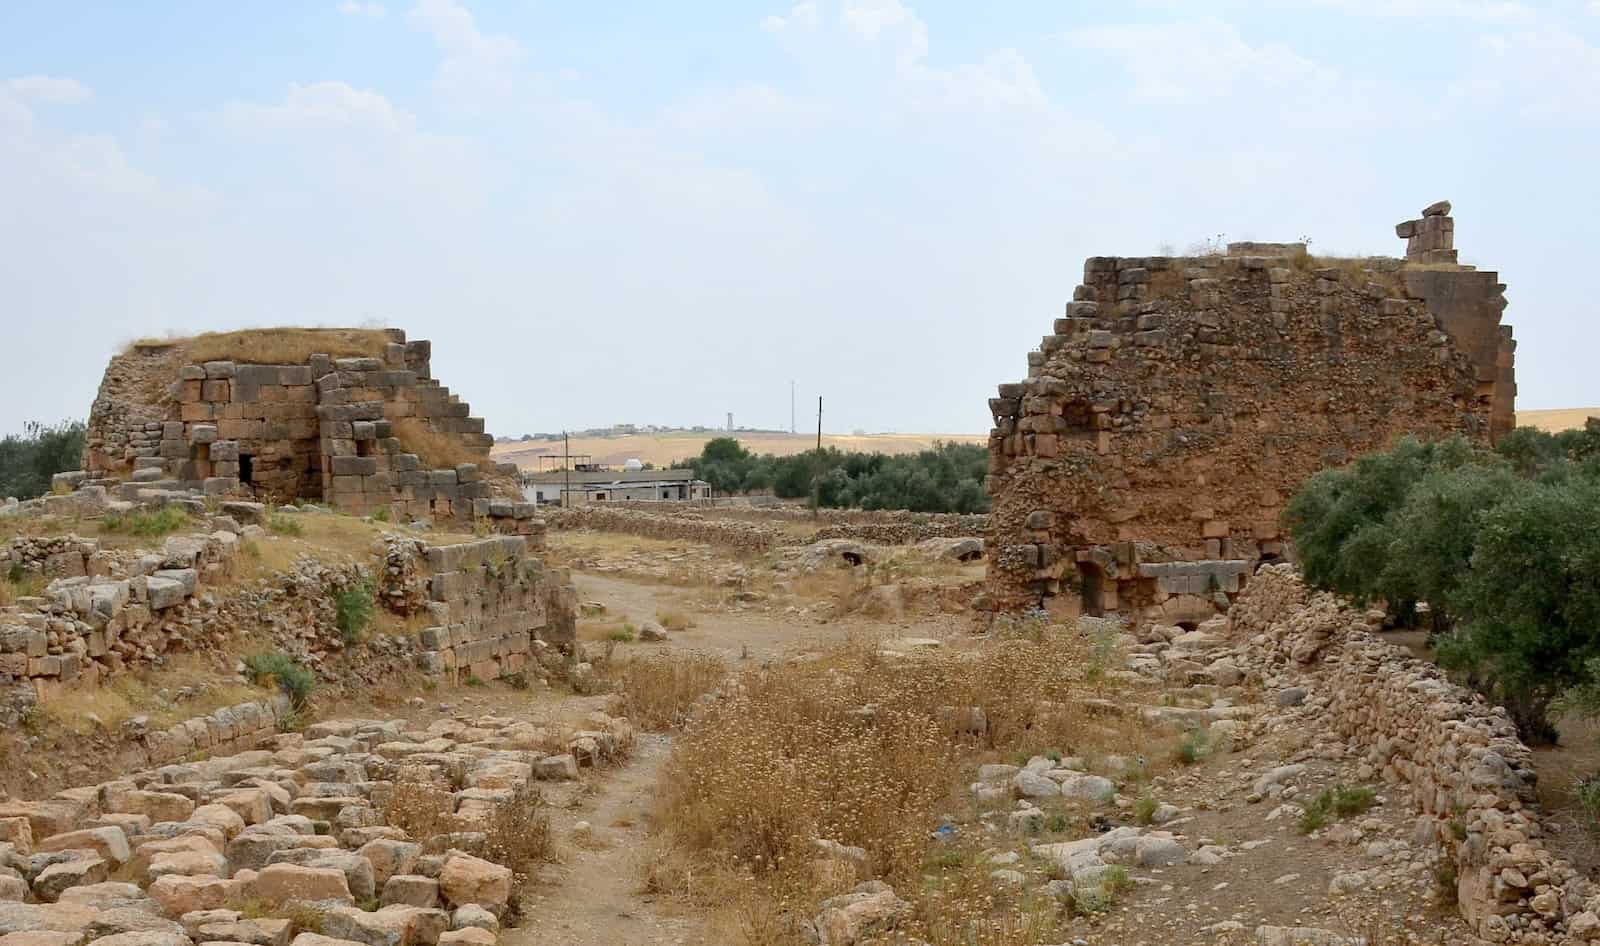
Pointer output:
x,y
290,843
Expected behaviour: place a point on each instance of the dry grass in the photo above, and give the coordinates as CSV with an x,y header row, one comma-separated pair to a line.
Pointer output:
x,y
104,708
438,451
856,748
516,835
659,691
19,584
674,620
276,346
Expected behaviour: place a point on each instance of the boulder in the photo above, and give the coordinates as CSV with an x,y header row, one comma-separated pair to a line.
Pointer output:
x,y
51,881
266,931
868,910
179,894
389,857
284,883
411,890
109,843
468,879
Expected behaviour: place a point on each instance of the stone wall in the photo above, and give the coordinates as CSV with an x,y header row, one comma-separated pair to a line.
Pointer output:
x,y
763,530
740,536
237,728
1181,401
1470,777
104,612
490,604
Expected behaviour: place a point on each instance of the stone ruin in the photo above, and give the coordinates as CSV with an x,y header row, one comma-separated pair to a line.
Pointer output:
x,y
1143,465
325,430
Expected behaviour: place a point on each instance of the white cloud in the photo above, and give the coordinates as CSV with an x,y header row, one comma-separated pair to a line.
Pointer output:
x,y
476,65
1195,61
1486,10
320,105
359,8
753,104
889,21
50,89
1554,73
802,16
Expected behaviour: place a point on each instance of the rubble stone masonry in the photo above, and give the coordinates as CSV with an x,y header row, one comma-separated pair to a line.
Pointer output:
x,y
1143,464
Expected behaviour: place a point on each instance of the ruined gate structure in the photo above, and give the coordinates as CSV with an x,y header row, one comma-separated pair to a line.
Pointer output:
x,y
1143,465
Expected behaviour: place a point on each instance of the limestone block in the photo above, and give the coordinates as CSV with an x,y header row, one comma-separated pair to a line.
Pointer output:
x,y
51,881
283,883
109,843
467,879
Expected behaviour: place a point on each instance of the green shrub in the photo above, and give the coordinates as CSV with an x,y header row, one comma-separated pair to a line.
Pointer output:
x,y
291,677
27,462
1587,794
1339,801
146,524
284,524
381,514
1196,745
1144,810
353,609
622,635
1502,547
947,478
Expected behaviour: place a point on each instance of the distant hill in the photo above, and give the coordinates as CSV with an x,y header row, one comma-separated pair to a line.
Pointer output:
x,y
1554,421
663,449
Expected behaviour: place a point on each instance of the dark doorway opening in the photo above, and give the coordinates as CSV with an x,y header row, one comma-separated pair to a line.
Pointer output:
x,y
1092,577
247,468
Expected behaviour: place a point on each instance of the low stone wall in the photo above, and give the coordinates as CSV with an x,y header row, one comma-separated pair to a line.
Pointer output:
x,y
491,603
744,536
237,728
755,531
1472,779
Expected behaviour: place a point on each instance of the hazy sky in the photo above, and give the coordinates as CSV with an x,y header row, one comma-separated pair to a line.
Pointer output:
x,y
659,212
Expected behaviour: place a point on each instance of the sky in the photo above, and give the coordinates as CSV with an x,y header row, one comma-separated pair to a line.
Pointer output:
x,y
646,212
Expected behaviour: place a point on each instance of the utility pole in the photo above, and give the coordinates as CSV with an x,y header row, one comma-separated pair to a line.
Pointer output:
x,y
816,468
791,407
566,464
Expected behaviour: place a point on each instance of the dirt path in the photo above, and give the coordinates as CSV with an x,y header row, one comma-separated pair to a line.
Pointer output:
x,y
753,634
594,898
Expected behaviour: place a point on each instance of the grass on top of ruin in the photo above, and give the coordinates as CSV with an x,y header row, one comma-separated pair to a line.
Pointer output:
x,y
286,345
870,750
436,449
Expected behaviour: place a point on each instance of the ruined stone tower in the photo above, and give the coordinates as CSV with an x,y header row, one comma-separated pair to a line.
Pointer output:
x,y
343,416
1143,464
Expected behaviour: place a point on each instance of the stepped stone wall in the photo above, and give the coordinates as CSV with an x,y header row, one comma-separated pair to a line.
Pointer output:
x,y
1180,401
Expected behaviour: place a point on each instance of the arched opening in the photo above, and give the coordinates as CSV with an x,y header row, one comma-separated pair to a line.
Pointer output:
x,y
851,558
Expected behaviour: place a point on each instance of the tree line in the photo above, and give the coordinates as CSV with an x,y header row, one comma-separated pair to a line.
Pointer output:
x,y
28,460
947,478
1497,552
